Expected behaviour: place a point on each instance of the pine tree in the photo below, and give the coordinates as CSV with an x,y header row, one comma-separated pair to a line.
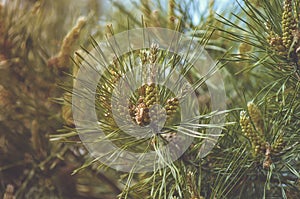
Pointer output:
x,y
45,47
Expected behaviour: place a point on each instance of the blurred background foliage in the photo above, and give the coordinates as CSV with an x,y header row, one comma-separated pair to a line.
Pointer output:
x,y
257,44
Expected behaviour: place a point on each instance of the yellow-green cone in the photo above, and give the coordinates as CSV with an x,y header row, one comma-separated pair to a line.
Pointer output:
x,y
257,141
172,106
278,145
151,95
256,117
288,23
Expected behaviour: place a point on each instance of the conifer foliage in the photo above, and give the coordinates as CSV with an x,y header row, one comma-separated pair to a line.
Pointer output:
x,y
256,47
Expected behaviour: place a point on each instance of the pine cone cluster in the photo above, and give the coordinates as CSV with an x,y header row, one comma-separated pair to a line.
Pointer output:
x,y
252,125
288,44
277,44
